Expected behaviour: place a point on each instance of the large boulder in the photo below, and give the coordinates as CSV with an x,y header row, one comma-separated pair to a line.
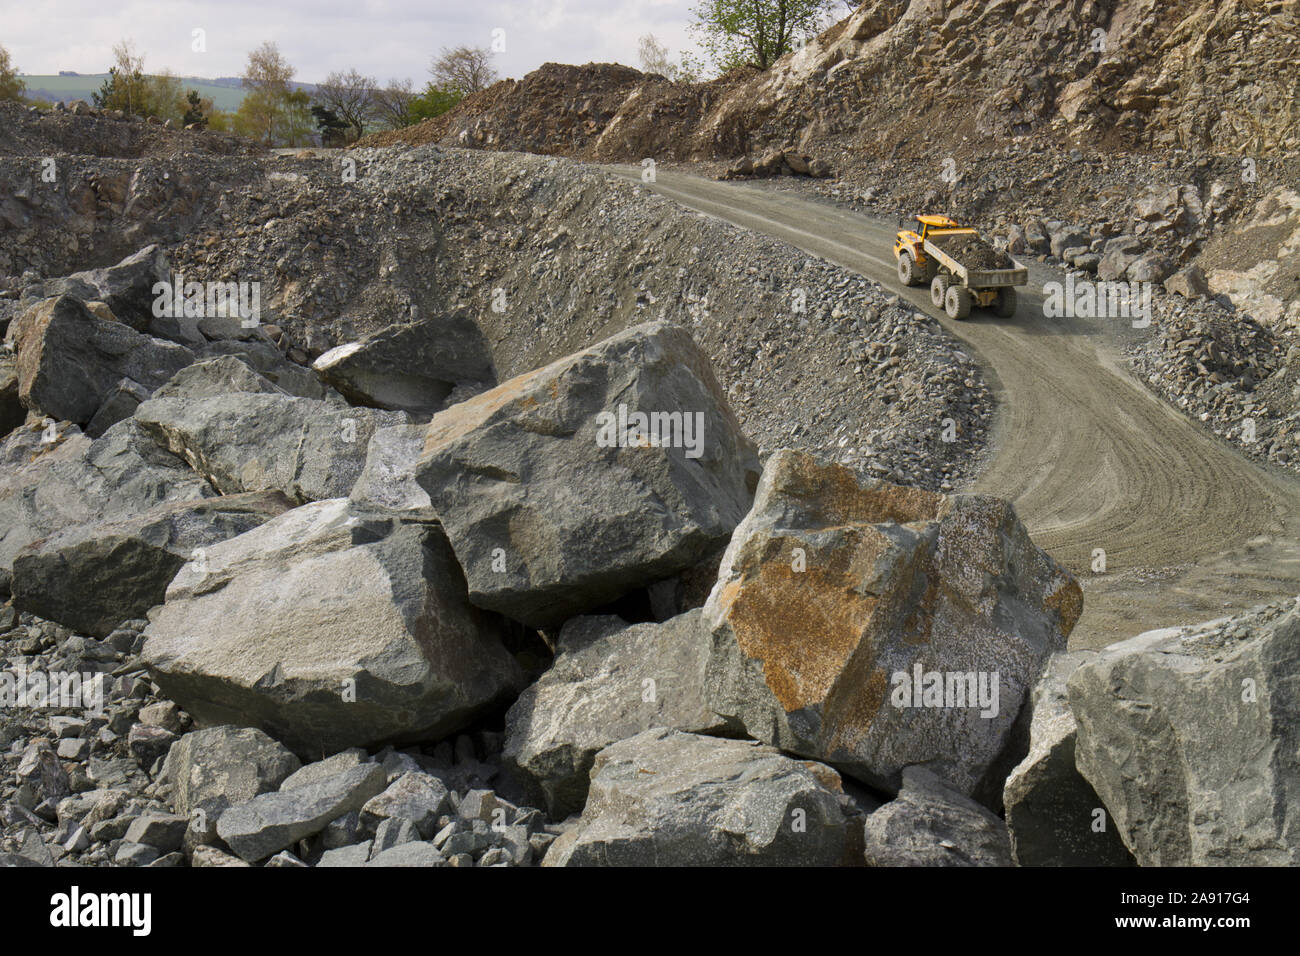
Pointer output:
x,y
1054,816
54,477
873,626
310,450
933,824
609,681
330,626
1190,739
412,367
70,360
126,288
558,498
667,798
91,577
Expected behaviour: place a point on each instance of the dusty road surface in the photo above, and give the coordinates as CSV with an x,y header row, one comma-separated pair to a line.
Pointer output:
x,y
1191,530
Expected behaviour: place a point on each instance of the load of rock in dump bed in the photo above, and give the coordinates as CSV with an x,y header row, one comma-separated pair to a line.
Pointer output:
x,y
974,253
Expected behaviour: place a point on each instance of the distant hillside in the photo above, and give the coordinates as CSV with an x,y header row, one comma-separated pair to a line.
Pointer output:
x,y
226,92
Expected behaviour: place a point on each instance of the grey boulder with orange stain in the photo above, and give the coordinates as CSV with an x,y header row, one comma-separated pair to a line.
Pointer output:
x,y
552,511
833,585
331,626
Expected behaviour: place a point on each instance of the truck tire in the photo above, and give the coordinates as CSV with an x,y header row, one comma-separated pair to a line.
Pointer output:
x,y
906,268
1007,302
957,302
939,290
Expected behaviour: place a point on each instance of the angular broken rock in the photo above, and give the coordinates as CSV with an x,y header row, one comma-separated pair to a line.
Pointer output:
x,y
1189,738
418,797
609,681
411,367
211,769
55,477
558,499
1053,814
666,798
387,479
273,821
931,824
331,626
70,360
310,450
126,288
92,577
843,604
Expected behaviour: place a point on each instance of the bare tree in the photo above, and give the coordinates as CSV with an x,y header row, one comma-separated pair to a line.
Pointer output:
x,y
465,69
655,59
351,96
392,104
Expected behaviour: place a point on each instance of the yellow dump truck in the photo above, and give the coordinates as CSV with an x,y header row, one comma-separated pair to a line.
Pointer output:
x,y
961,268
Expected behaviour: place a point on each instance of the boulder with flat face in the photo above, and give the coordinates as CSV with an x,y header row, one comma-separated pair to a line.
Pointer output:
x,y
69,360
331,626
565,488
666,798
610,680
1054,816
872,626
91,577
932,824
267,441
412,367
53,477
1189,736
127,289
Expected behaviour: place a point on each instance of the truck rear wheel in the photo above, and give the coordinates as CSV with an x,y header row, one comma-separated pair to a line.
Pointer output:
x,y
906,269
939,290
957,302
1007,301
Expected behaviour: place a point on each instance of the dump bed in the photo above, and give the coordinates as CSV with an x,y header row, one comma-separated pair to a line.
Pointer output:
x,y
977,278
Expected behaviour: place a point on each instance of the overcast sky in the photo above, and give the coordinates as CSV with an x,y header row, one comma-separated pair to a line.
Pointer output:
x,y
384,38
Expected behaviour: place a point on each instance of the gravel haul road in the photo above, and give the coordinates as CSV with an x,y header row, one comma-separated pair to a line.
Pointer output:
x,y
1094,462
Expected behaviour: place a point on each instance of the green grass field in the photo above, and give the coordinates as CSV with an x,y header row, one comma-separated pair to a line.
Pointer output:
x,y
81,87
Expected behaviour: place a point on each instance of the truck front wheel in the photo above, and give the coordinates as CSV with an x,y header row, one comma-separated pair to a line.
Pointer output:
x,y
906,268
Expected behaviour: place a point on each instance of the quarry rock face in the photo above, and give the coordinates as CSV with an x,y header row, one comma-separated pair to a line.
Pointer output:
x,y
1188,738
330,627
873,627
559,493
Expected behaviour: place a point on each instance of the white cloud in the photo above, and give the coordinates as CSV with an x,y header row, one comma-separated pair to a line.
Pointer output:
x,y
384,38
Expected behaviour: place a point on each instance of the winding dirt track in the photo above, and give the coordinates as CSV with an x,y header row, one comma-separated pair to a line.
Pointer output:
x,y
1191,529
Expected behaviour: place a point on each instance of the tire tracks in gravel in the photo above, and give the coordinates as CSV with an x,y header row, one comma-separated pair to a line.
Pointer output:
x,y
1191,529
